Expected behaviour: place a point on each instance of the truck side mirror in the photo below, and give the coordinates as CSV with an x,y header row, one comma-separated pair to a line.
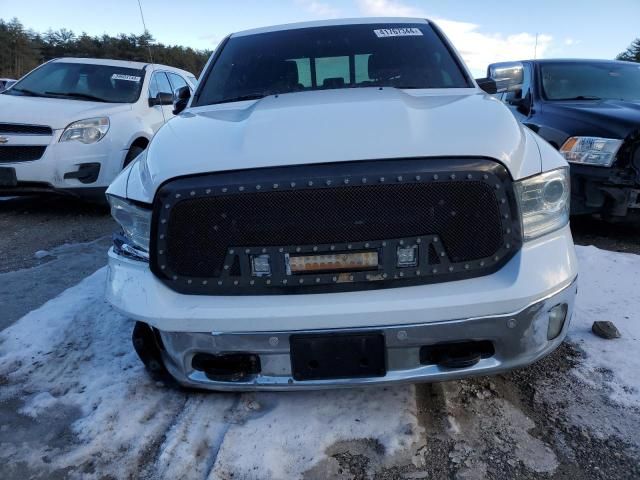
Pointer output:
x,y
161,99
488,85
182,96
508,76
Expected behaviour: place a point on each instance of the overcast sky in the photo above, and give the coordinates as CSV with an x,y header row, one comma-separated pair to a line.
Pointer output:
x,y
483,31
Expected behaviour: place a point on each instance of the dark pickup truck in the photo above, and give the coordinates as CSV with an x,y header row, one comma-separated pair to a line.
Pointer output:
x,y
590,111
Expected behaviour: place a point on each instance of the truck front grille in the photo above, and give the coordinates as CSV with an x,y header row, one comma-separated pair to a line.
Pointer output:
x,y
459,215
20,153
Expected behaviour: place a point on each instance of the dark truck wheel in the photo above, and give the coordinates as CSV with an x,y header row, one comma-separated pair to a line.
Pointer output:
x,y
147,345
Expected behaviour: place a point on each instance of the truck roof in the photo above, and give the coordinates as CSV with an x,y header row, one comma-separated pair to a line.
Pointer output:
x,y
328,23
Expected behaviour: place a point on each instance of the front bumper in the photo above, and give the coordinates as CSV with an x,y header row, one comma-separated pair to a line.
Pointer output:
x,y
508,308
67,167
519,338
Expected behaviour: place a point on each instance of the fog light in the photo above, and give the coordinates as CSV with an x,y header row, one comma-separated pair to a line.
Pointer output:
x,y
407,256
260,265
557,317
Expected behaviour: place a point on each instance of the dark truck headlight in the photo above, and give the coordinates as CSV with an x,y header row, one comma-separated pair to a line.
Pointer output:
x,y
600,152
544,202
136,227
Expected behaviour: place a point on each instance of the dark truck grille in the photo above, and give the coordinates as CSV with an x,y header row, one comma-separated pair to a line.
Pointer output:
x,y
459,215
20,129
19,153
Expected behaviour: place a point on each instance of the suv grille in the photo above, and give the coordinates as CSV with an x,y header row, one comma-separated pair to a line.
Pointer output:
x,y
19,129
459,214
18,153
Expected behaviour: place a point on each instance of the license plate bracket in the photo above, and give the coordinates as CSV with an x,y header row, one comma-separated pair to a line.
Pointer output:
x,y
8,177
335,356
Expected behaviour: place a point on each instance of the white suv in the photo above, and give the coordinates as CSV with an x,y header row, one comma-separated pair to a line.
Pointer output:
x,y
72,124
341,204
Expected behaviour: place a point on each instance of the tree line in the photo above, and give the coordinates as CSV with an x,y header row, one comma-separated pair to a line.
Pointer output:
x,y
21,50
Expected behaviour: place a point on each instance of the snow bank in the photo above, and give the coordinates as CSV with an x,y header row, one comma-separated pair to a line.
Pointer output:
x,y
609,289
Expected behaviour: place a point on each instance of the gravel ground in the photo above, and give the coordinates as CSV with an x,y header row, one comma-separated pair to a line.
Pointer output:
x,y
537,422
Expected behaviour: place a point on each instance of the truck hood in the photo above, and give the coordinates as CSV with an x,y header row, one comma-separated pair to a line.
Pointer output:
x,y
604,118
54,112
334,126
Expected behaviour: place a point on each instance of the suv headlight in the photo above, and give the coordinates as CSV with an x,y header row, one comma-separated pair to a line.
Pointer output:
x,y
544,202
591,150
136,225
91,130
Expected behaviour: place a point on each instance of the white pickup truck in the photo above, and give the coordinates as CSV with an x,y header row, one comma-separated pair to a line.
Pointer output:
x,y
341,204
72,124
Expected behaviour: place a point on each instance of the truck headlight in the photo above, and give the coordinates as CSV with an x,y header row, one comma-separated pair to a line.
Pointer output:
x,y
544,202
91,130
591,150
136,225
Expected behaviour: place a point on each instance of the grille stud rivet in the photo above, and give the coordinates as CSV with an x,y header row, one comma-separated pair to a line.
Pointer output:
x,y
442,254
435,270
451,269
281,249
224,190
346,181
382,179
512,323
162,267
232,251
366,245
401,274
469,176
268,282
192,193
453,176
310,183
328,182
252,282
418,178
248,250
402,335
317,280
399,178
189,281
332,247
435,177
293,184
485,176
258,187
175,278
466,266
208,191
364,180
204,282
298,249
235,282
178,195
241,189
417,272
219,282
273,341
335,279
496,258
301,280
418,240
284,281
226,267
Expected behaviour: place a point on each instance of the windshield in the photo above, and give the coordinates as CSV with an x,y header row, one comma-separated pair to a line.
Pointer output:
x,y
345,56
81,81
591,81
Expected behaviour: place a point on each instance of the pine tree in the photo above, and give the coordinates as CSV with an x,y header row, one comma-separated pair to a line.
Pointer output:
x,y
632,54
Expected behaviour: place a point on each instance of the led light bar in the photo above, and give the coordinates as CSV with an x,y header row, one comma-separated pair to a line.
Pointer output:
x,y
335,262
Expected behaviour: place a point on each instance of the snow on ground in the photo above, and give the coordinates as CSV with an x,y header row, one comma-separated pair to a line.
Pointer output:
x,y
72,358
609,289
74,354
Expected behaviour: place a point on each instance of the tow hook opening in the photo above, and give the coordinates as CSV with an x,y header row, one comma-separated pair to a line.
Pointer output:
x,y
231,367
456,354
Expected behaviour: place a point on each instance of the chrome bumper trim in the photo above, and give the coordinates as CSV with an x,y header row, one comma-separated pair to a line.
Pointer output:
x,y
519,338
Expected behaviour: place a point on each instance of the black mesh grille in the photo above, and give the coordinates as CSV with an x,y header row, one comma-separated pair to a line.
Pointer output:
x,y
465,215
17,153
19,129
461,215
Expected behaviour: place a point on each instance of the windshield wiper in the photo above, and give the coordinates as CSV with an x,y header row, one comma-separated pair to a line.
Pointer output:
x,y
78,95
29,93
240,98
580,97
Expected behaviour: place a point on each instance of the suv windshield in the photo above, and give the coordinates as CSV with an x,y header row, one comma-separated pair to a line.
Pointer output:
x,y
81,81
344,56
591,81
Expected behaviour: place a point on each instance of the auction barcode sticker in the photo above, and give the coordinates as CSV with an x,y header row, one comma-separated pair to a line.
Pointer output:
x,y
128,78
398,32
